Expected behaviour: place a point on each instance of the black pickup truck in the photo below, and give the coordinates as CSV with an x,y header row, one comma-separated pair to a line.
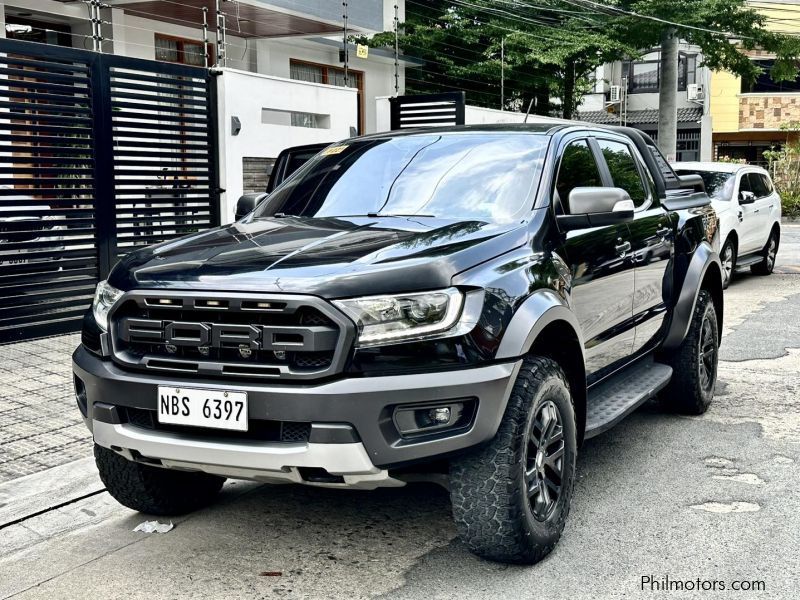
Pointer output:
x,y
466,303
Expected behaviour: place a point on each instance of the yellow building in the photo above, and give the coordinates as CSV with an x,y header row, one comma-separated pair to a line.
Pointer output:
x,y
746,120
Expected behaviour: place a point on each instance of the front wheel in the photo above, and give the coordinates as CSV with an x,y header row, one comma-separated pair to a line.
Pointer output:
x,y
511,498
769,253
154,490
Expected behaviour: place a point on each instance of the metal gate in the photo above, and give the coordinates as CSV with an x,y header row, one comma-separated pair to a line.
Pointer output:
x,y
427,110
99,154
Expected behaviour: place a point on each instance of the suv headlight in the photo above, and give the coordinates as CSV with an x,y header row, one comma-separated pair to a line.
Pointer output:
x,y
104,298
398,318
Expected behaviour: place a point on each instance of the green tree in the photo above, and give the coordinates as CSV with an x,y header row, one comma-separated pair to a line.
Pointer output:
x,y
552,46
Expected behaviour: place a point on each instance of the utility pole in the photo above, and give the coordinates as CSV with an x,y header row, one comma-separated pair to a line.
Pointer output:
x,y
502,72
667,94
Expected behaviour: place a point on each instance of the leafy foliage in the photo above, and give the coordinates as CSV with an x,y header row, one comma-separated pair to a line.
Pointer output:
x,y
784,165
552,46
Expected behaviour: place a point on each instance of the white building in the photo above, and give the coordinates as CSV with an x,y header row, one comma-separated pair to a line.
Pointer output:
x,y
281,79
626,93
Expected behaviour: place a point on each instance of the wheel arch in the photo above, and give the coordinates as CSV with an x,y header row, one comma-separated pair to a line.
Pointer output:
x,y
703,272
545,325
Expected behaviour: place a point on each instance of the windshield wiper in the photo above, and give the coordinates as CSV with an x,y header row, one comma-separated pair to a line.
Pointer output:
x,y
373,215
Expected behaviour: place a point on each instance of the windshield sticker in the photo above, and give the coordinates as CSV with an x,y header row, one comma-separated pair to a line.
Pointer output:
x,y
334,150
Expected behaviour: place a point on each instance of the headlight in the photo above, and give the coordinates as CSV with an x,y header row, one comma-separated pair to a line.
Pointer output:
x,y
104,298
403,317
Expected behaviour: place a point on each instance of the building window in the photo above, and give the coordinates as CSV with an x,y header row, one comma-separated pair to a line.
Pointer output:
x,y
764,84
318,73
645,76
181,50
20,28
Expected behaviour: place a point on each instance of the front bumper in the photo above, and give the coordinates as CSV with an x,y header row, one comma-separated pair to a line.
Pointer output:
x,y
362,406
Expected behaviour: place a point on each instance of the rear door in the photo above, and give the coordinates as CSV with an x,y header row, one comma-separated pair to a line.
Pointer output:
x,y
764,208
749,226
652,238
600,263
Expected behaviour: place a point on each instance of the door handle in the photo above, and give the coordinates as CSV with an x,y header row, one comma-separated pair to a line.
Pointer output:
x,y
663,232
741,216
623,248
755,210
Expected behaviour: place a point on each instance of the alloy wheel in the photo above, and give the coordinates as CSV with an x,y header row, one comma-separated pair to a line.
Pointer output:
x,y
727,264
708,351
772,252
544,463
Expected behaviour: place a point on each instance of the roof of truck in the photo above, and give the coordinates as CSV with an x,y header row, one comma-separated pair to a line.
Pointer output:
x,y
536,125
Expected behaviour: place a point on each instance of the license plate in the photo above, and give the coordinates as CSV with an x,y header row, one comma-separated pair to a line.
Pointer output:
x,y
202,408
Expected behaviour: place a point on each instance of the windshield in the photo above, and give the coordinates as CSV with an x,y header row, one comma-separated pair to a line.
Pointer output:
x,y
469,176
718,185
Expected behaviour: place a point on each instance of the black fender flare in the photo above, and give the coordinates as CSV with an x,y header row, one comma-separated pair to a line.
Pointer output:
x,y
539,310
702,260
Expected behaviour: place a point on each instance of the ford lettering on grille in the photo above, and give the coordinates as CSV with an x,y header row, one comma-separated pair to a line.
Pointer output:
x,y
314,338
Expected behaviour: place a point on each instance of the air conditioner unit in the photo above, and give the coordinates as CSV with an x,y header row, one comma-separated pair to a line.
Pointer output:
x,y
615,93
694,91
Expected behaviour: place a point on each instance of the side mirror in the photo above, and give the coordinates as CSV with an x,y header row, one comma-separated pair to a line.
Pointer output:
x,y
596,206
746,197
247,203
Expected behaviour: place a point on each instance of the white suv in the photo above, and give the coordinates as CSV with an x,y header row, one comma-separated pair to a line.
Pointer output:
x,y
749,212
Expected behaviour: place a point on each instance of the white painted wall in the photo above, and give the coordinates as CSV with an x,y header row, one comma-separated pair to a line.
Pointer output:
x,y
273,58
245,95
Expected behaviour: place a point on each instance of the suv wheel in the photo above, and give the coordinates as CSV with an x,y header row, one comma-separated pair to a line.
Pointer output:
x,y
694,364
769,253
154,490
511,498
728,258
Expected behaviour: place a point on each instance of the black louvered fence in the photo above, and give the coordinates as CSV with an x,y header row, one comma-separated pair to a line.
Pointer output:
x,y
99,154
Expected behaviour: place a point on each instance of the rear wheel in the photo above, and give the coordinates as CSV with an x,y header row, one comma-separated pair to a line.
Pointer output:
x,y
154,490
694,364
769,253
511,498
727,257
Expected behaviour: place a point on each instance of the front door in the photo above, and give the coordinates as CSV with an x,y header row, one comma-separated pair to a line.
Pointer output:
x,y
652,239
601,265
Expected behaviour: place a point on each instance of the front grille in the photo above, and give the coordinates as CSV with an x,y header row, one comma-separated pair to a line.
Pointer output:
x,y
233,336
258,429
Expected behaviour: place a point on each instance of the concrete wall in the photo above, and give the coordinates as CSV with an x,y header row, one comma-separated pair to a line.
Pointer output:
x,y
246,96
274,56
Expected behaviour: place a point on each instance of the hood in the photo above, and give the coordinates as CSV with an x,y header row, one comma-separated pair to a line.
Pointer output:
x,y
329,257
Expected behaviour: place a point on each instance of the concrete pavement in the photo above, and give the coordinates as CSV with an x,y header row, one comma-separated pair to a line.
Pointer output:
x,y
713,497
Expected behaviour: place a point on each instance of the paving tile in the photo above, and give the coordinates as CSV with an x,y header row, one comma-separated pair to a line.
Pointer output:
x,y
40,426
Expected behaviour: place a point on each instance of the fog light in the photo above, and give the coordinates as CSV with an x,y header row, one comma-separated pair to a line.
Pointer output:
x,y
439,415
418,420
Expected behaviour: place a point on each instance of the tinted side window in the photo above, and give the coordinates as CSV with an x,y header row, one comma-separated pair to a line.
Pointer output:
x,y
744,184
624,171
759,185
577,169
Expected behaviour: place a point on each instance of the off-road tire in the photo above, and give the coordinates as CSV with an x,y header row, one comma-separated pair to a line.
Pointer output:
x,y
687,393
488,488
154,490
726,279
768,255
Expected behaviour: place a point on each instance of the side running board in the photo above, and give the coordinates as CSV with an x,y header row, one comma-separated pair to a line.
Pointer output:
x,y
616,397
